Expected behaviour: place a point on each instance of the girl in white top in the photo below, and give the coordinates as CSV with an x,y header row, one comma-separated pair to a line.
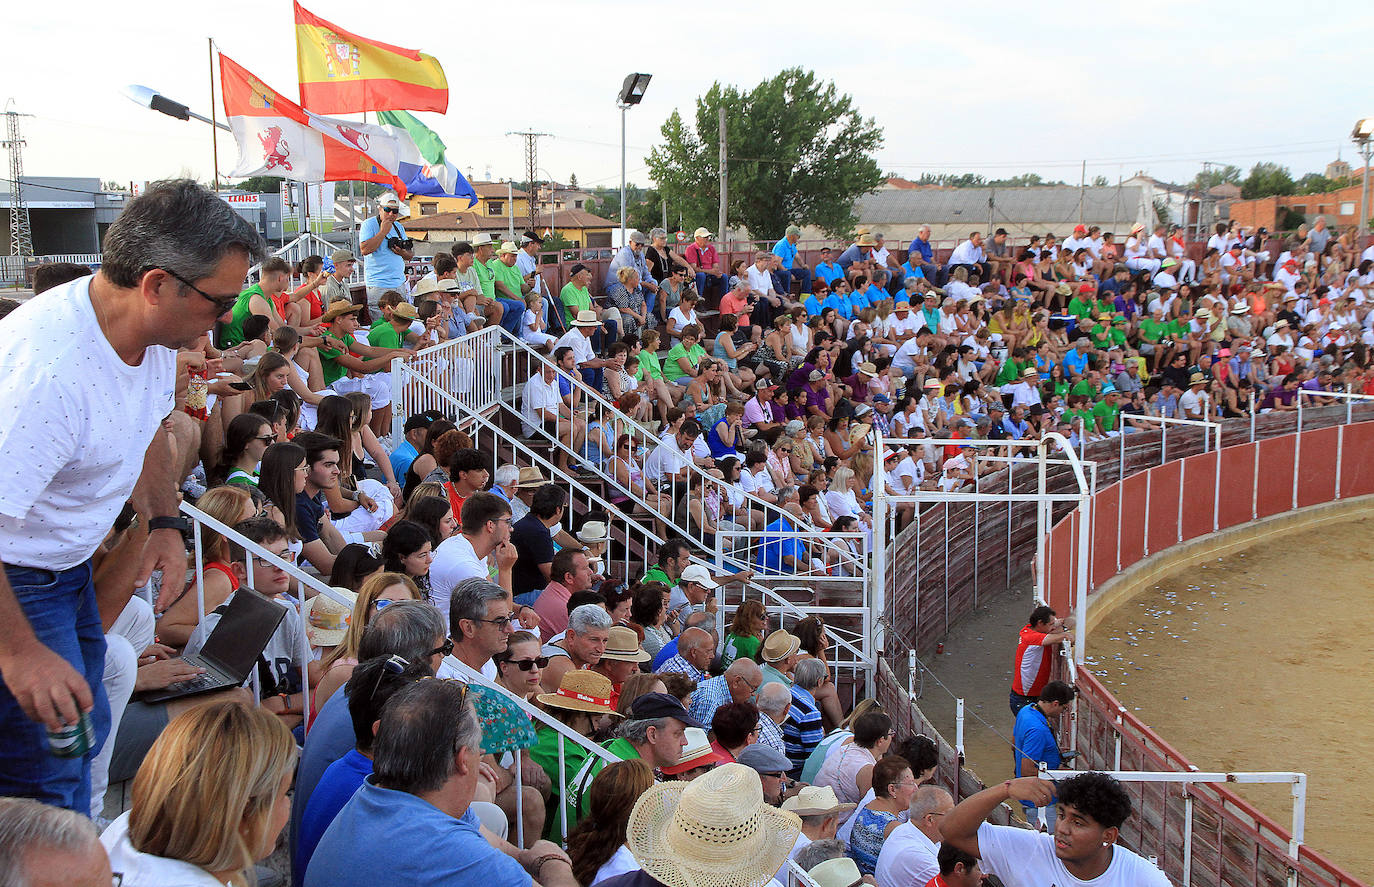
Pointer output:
x,y
212,800
532,324
683,316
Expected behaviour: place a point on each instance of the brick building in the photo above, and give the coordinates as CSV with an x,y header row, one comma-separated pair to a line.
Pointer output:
x,y
1341,208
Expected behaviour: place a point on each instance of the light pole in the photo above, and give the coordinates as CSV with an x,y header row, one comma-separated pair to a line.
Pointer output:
x,y
1362,134
151,98
631,94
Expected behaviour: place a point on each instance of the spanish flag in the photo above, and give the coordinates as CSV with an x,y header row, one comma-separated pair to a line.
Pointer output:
x,y
342,73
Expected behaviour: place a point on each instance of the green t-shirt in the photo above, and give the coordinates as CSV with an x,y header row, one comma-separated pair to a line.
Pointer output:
x,y
330,349
576,794
1083,386
736,647
1080,308
1106,414
233,330
1072,417
1010,372
656,574
384,335
648,365
1152,330
510,276
1178,328
484,279
544,752
671,370
1061,387
575,300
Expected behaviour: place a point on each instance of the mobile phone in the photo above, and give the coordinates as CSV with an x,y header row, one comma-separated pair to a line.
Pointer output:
x,y
240,386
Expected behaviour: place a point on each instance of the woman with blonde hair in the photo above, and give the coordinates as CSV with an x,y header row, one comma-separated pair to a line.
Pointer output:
x,y
209,800
228,504
597,845
379,590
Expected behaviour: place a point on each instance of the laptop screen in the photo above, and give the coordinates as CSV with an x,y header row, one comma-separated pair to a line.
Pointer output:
x,y
243,631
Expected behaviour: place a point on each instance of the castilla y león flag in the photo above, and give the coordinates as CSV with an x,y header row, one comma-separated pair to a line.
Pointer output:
x,y
277,137
342,73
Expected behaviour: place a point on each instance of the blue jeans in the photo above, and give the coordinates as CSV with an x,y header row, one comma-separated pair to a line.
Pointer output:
x,y
802,273
61,609
514,316
703,278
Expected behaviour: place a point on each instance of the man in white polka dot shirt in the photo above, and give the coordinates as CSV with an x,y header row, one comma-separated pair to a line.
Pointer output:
x,y
89,370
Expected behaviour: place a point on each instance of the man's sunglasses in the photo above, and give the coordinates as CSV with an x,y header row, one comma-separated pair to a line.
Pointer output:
x,y
390,209
221,303
528,664
445,650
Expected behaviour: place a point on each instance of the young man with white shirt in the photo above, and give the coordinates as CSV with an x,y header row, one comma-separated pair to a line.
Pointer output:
x,y
671,458
174,262
969,255
484,531
1091,810
542,406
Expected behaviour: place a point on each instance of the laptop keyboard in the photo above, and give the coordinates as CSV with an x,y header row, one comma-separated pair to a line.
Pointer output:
x,y
196,683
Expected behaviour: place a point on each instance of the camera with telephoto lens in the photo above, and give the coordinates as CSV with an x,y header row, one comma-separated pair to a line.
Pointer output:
x,y
400,243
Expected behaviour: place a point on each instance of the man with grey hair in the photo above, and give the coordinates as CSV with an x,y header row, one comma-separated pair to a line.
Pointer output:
x,y
774,701
412,630
804,729
426,766
90,372
738,684
909,855
480,624
817,852
43,846
694,652
384,242
589,630
819,811
655,732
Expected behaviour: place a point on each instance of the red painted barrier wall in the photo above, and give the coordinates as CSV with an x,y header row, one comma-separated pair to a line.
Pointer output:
x,y
1140,516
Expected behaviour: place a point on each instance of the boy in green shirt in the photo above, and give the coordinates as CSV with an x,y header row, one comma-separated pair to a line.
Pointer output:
x,y
1107,409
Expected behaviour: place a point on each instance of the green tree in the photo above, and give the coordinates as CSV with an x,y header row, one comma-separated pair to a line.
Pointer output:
x,y
261,184
1267,180
1099,182
572,180
799,153
1210,177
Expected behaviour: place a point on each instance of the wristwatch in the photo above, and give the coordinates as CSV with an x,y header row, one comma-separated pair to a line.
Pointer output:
x,y
169,522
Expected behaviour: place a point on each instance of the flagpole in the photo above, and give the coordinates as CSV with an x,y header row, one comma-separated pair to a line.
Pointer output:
x,y
214,128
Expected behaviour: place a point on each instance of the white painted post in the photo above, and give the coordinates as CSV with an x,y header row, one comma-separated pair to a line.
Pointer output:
x,y
877,592
1085,516
959,728
1187,837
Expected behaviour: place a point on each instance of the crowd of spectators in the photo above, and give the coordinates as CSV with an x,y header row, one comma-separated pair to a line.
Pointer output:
x,y
725,747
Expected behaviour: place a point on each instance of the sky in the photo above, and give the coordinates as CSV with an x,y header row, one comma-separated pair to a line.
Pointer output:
x,y
1157,87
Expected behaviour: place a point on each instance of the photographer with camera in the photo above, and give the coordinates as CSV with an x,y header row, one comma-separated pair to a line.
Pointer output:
x,y
384,241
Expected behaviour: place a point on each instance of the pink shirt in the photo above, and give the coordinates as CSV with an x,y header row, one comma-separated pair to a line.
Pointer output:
x,y
552,607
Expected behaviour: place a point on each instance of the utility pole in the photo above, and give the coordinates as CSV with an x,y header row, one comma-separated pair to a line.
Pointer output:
x,y
724,181
21,236
992,201
1082,190
531,164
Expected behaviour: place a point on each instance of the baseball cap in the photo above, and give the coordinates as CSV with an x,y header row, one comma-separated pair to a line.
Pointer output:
x,y
638,237
764,759
697,573
341,255
652,706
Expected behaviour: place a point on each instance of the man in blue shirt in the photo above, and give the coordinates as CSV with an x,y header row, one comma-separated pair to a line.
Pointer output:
x,y
921,256
860,251
419,799
1035,740
385,267
827,270
379,678
786,251
416,429
778,554
1076,358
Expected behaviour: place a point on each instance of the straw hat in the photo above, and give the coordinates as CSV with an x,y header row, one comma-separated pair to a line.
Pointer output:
x,y
816,800
698,752
326,620
868,369
1064,289
405,311
426,286
623,646
779,645
715,831
866,240
339,310
1242,308
581,691
587,318
593,532
701,232
838,872
530,477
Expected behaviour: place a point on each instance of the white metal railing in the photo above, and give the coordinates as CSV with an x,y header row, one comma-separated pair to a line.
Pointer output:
x,y
852,652
1347,396
1211,432
199,521
308,244
1297,781
465,372
12,267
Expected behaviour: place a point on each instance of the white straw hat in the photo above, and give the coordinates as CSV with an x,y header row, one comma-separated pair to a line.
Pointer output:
x,y
326,620
714,831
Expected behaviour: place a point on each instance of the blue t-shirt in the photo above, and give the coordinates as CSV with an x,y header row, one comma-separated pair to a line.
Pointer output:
x,y
773,549
1076,361
861,299
813,305
785,251
922,247
719,450
829,272
383,836
340,782
309,513
401,457
382,267
1033,739
331,737
854,254
913,270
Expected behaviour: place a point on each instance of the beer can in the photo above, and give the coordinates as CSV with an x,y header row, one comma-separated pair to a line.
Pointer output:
x,y
74,740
